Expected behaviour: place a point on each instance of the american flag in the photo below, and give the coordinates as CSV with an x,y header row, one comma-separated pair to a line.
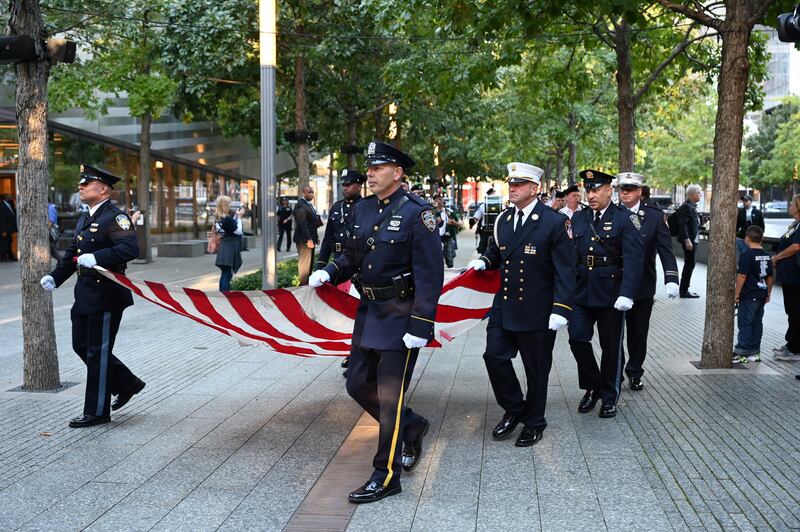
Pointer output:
x,y
308,322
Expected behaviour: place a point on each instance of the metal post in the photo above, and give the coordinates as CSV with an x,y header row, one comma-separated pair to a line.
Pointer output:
x,y
267,38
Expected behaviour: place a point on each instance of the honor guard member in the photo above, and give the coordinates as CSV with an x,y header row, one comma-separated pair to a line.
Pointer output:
x,y
395,259
610,263
104,236
656,238
533,248
337,230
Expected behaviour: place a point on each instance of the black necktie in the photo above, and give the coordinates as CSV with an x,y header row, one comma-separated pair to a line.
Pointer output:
x,y
597,216
520,214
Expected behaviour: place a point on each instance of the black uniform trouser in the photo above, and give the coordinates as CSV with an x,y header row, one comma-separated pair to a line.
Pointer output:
x,y
377,380
536,350
284,229
5,246
637,321
93,338
688,267
791,305
604,380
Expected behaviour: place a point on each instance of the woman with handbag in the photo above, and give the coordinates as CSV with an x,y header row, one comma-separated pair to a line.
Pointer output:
x,y
228,230
787,272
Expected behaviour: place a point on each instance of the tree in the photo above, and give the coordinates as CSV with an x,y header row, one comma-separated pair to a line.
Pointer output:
x,y
758,172
40,359
734,21
782,165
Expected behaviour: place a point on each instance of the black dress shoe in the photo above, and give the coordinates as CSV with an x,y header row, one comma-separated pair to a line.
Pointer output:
x,y
413,450
372,491
529,437
506,426
123,397
87,420
608,410
344,374
636,384
345,362
689,295
588,401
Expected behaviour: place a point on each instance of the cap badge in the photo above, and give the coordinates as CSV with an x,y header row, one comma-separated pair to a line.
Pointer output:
x,y
371,149
513,167
590,174
81,168
344,173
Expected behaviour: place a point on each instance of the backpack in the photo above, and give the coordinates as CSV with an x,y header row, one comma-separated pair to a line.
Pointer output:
x,y
672,222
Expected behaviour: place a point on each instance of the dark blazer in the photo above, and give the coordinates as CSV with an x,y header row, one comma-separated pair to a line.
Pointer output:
x,y
8,217
408,243
230,245
306,222
688,222
110,236
656,240
756,218
538,269
601,285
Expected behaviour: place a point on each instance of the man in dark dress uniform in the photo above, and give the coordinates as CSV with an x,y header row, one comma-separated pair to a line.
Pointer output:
x,y
610,263
654,230
532,245
285,224
337,230
104,236
396,253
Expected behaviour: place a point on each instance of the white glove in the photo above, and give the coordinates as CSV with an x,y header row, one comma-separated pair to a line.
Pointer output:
x,y
476,265
672,290
48,283
87,260
556,322
413,342
318,278
623,303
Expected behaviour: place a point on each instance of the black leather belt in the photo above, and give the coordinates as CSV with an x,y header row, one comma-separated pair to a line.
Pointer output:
x,y
594,260
402,287
82,270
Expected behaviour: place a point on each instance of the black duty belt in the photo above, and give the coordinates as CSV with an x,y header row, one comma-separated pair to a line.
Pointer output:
x,y
402,287
91,272
594,260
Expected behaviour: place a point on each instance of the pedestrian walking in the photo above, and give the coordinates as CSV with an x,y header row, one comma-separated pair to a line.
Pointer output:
x,y
8,228
533,247
395,259
656,239
104,236
306,238
229,254
753,290
787,272
284,224
747,216
688,233
606,237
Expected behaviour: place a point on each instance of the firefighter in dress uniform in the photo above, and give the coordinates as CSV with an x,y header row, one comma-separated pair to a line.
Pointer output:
x,y
395,260
337,230
533,247
610,263
656,238
104,236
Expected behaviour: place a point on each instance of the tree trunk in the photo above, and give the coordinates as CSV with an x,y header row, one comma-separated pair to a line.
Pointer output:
x,y
626,105
331,183
573,151
731,89
300,122
40,358
352,122
143,188
559,168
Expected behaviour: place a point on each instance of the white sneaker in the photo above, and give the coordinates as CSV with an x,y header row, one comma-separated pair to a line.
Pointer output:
x,y
786,356
780,350
740,359
755,358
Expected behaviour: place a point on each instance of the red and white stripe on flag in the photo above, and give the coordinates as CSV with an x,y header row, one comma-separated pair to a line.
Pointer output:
x,y
304,321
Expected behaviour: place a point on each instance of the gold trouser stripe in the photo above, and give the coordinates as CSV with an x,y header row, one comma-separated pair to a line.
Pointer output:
x,y
397,423
562,305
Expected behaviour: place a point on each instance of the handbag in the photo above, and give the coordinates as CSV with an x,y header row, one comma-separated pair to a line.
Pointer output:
x,y
213,242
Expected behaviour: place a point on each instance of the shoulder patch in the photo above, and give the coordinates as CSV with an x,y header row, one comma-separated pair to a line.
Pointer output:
x,y
123,221
429,219
636,221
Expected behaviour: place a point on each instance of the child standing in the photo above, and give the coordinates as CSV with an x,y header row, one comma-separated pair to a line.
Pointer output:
x,y
753,288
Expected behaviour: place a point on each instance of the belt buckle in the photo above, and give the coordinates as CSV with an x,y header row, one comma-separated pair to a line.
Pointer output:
x,y
368,292
590,261
338,247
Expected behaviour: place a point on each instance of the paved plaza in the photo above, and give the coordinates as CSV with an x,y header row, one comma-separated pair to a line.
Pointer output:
x,y
239,438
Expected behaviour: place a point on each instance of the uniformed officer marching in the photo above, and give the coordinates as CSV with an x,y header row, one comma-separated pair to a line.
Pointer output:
x,y
337,230
395,258
656,238
532,245
610,262
103,237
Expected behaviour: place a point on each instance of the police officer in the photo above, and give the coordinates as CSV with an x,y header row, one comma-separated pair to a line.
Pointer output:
x,y
337,230
656,238
534,249
610,263
396,254
104,236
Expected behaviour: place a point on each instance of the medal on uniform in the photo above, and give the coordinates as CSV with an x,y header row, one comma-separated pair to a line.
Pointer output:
x,y
530,249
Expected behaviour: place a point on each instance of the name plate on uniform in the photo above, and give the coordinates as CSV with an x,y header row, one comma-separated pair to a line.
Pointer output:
x,y
394,223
